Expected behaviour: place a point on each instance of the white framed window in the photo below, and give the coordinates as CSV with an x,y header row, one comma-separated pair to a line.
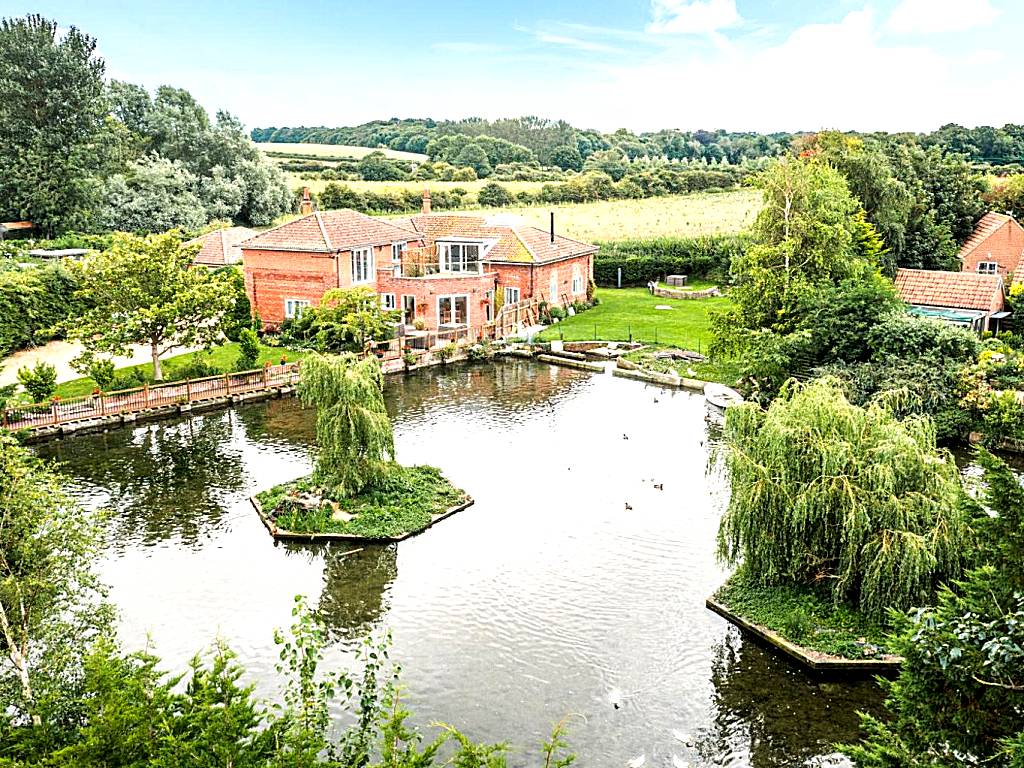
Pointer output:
x,y
511,295
553,288
387,301
397,252
362,265
293,307
988,267
577,283
453,310
458,257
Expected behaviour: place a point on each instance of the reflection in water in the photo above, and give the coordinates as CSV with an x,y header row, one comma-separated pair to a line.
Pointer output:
x,y
799,717
160,480
575,584
356,585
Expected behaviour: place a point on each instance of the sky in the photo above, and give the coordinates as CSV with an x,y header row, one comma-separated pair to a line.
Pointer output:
x,y
758,65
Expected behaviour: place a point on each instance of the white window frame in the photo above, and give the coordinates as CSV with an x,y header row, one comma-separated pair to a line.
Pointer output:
x,y
512,295
293,308
362,265
992,267
388,301
553,287
446,263
577,283
397,251
450,320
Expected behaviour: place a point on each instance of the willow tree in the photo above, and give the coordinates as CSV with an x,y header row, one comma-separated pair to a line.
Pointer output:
x,y
353,429
853,500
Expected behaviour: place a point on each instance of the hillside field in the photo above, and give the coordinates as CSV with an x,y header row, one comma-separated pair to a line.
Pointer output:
x,y
334,151
317,185
704,213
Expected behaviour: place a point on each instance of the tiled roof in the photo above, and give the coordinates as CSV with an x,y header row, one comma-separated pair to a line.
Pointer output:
x,y
221,245
936,288
513,242
983,230
329,231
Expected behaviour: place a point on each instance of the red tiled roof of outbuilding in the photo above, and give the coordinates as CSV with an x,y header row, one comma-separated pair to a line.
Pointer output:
x,y
937,288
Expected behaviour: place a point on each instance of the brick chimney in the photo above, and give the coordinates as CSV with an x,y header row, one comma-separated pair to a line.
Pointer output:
x,y
306,207
426,201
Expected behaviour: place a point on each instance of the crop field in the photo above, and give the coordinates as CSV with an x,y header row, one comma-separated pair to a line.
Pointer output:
x,y
334,151
680,215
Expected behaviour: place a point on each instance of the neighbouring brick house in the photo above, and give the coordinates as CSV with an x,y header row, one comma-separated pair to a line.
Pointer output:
x,y
996,247
971,299
448,271
221,246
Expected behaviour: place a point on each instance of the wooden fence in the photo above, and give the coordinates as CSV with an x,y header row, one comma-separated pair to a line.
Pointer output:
x,y
98,406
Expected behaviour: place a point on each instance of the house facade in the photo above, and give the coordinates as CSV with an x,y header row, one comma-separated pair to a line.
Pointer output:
x,y
440,271
996,247
971,299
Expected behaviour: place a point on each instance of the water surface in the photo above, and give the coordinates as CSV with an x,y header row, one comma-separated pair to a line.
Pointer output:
x,y
574,585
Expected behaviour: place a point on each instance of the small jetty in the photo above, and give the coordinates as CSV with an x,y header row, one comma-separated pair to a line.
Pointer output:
x,y
720,396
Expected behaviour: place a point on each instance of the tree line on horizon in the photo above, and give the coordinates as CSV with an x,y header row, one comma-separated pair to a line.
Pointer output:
x,y
557,142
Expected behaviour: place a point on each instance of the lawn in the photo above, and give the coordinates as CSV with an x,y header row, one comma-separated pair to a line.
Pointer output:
x,y
333,151
629,313
222,358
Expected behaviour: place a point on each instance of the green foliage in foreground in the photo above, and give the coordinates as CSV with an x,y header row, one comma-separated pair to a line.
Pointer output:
x,y
825,492
806,616
406,500
630,312
959,699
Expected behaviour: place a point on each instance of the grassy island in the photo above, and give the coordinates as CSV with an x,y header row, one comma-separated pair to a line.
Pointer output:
x,y
806,617
409,500
357,490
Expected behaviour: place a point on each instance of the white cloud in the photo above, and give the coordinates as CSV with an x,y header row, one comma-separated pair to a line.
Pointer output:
x,y
935,16
575,42
692,17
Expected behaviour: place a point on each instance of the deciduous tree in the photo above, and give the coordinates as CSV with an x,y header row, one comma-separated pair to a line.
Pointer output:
x,y
144,291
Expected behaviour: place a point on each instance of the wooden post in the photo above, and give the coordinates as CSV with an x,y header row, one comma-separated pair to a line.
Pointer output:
x,y
53,412
227,383
266,374
188,390
103,404
145,394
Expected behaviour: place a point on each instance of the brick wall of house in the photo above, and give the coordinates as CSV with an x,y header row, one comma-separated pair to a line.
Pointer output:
x,y
1004,246
535,281
272,277
427,289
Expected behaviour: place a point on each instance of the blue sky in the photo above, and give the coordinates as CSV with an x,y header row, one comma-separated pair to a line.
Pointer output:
x,y
641,64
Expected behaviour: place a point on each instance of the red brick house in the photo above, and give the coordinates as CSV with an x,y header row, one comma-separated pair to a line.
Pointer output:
x,y
971,299
996,247
448,271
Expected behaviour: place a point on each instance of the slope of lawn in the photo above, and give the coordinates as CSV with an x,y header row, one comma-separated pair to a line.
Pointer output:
x,y
223,358
626,313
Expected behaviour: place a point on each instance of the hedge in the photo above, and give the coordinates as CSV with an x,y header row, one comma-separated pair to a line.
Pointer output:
x,y
31,302
654,258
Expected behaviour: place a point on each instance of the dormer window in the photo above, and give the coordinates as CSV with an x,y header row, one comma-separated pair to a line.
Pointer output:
x,y
988,267
459,257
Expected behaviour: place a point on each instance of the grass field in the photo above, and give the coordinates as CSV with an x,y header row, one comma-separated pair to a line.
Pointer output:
x,y
334,151
683,215
222,357
629,313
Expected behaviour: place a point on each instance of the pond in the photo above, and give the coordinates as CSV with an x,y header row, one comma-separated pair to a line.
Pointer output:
x,y
574,585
